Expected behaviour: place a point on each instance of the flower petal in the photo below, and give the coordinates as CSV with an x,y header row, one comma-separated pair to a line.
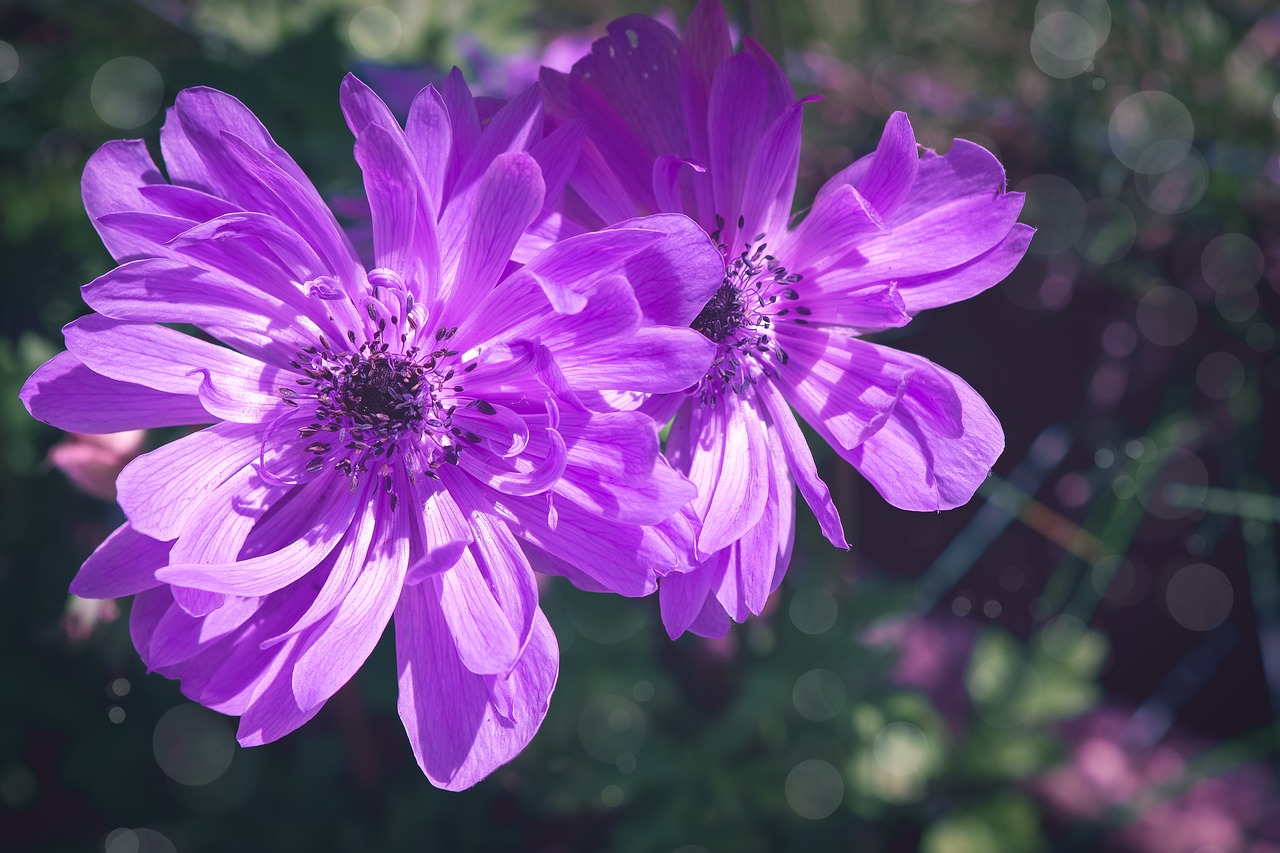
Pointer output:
x,y
160,490
66,393
268,572
508,198
457,734
341,644
124,564
799,461
915,465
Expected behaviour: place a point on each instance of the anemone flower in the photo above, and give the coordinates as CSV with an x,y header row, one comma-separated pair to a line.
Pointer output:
x,y
401,439
685,124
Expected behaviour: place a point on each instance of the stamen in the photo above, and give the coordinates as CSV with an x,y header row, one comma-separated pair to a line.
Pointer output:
x,y
372,402
740,315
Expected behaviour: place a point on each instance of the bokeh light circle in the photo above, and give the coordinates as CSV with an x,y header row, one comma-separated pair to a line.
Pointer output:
x,y
1117,579
1220,375
1167,316
1096,12
193,745
1173,189
901,82
1177,485
375,32
1063,45
611,726
9,62
814,789
1055,208
901,748
813,610
1199,597
818,695
126,92
1237,307
1232,263
1146,119
140,840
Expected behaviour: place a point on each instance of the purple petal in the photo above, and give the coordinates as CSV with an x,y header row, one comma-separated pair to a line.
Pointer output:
x,y
838,222
219,526
264,574
614,469
508,198
615,169
179,636
168,291
799,461
958,283
707,44
729,466
530,473
578,538
431,139
885,177
736,121
124,564
655,360
160,490
771,178
341,644
457,734
349,561
780,95
674,278
404,236
915,465
682,596
870,309
487,643
189,140
67,394
165,359
635,67
443,530
557,155
512,129
112,179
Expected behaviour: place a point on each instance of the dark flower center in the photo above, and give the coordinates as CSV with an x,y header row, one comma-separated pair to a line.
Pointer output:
x,y
372,402
383,391
757,293
723,315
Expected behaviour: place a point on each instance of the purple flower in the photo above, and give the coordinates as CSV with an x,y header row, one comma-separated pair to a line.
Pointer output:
x,y
409,439
684,124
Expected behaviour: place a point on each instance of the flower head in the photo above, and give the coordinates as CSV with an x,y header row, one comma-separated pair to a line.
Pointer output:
x,y
409,437
683,123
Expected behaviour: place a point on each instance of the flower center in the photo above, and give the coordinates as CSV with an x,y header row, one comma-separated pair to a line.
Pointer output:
x,y
756,293
382,390
371,402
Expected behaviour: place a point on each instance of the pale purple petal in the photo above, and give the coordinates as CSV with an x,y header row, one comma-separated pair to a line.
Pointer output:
x,y
124,564
67,394
916,466
799,461
342,643
159,490
456,732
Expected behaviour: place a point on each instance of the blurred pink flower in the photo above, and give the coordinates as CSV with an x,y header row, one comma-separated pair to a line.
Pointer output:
x,y
93,462
1176,813
82,615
